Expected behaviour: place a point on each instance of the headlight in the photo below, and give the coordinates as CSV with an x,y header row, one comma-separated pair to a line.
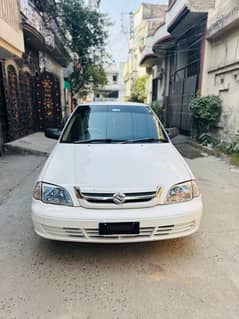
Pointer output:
x,y
196,191
52,194
182,192
37,191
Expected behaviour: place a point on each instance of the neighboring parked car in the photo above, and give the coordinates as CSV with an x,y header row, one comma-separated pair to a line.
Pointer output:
x,y
114,176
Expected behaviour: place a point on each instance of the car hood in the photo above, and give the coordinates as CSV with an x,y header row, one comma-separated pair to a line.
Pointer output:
x,y
115,167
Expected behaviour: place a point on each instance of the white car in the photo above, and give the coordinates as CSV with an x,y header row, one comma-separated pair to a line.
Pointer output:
x,y
115,177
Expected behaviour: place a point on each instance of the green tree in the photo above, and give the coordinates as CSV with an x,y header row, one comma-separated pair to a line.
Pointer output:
x,y
206,112
139,90
158,109
87,30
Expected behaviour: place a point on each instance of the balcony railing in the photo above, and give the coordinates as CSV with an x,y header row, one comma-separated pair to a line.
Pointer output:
x,y
33,17
45,25
59,34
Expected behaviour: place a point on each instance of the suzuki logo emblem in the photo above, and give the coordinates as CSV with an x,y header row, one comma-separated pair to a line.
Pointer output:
x,y
119,198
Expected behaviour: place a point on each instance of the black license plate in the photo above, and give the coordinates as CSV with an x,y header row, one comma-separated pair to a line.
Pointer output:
x,y
119,228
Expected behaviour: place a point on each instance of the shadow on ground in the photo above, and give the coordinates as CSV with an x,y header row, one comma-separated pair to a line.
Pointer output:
x,y
117,254
188,151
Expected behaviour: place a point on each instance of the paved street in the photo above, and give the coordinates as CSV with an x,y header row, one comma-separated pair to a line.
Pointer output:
x,y
195,277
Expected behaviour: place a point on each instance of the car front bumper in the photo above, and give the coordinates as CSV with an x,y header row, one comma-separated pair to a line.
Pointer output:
x,y
77,224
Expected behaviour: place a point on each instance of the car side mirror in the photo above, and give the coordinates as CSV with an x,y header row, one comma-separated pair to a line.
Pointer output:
x,y
172,132
53,133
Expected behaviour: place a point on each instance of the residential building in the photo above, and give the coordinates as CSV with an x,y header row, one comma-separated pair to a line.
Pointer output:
x,y
158,62
221,67
114,90
34,83
177,59
11,46
145,21
11,35
128,78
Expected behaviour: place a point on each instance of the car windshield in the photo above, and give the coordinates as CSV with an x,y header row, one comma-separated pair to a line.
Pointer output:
x,y
113,124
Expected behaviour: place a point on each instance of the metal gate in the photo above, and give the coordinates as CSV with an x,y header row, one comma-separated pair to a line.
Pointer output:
x,y
3,111
26,103
13,104
48,101
179,114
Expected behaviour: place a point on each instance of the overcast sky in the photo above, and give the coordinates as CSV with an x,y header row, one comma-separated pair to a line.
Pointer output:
x,y
118,42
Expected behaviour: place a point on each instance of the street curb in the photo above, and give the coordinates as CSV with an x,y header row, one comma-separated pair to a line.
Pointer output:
x,y
202,148
22,150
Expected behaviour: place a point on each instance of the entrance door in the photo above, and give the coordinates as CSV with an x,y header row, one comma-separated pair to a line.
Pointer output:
x,y
189,91
182,93
175,104
48,101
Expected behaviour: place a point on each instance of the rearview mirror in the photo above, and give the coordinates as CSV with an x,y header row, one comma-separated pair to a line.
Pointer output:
x,y
172,132
53,133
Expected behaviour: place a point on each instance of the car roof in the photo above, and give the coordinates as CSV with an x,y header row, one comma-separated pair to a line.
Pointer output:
x,y
114,103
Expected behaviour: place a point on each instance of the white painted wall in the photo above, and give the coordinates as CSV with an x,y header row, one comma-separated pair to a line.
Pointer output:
x,y
221,67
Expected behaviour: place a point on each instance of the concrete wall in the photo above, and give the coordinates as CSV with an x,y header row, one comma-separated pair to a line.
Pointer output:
x,y
201,5
221,68
11,36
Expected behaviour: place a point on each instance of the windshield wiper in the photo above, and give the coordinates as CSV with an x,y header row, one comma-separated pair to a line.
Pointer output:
x,y
105,140
145,140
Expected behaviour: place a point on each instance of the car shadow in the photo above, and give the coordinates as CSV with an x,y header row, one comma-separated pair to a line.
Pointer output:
x,y
117,253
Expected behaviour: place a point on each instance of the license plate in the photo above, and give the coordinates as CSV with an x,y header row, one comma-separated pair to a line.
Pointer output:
x,y
119,228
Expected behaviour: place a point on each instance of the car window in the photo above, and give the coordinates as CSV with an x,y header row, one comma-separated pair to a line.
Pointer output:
x,y
118,123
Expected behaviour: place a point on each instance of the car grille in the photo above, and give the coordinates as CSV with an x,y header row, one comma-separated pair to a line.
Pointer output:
x,y
85,234
107,200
